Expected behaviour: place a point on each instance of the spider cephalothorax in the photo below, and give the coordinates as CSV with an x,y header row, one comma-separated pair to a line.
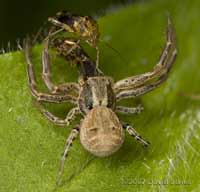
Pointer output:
x,y
96,96
97,91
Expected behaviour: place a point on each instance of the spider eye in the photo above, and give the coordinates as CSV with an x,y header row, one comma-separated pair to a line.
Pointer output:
x,y
82,29
94,129
90,106
87,18
113,128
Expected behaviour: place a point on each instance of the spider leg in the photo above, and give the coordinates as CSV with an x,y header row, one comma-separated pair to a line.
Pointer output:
x,y
66,88
129,110
46,74
68,145
33,86
162,68
139,91
136,135
61,122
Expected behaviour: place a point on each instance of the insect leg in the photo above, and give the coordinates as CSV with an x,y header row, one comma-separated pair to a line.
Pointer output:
x,y
57,23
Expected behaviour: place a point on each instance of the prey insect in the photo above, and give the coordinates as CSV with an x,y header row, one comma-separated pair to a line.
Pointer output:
x,y
85,27
95,96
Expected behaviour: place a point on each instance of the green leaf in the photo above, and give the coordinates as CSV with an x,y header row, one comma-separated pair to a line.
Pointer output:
x,y
31,146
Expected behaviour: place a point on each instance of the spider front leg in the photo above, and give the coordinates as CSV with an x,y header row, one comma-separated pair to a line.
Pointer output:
x,y
46,73
162,68
61,122
33,86
133,93
129,110
68,145
136,135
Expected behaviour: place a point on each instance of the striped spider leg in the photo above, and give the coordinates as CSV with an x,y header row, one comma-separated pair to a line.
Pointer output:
x,y
141,84
138,85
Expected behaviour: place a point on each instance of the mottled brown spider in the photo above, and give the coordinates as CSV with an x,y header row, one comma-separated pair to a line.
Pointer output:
x,y
95,97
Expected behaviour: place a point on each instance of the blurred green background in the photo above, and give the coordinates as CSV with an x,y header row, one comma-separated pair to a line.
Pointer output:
x,y
18,18
31,146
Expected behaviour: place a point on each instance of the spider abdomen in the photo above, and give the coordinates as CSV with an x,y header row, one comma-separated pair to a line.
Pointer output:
x,y
101,132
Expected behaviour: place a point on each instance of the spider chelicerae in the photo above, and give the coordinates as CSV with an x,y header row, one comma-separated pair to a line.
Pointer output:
x,y
95,96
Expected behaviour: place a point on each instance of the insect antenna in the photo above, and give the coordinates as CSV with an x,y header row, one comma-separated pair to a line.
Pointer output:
x,y
52,33
114,50
190,96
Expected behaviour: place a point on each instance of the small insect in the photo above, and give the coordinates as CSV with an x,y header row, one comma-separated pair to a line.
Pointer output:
x,y
85,27
86,66
96,97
